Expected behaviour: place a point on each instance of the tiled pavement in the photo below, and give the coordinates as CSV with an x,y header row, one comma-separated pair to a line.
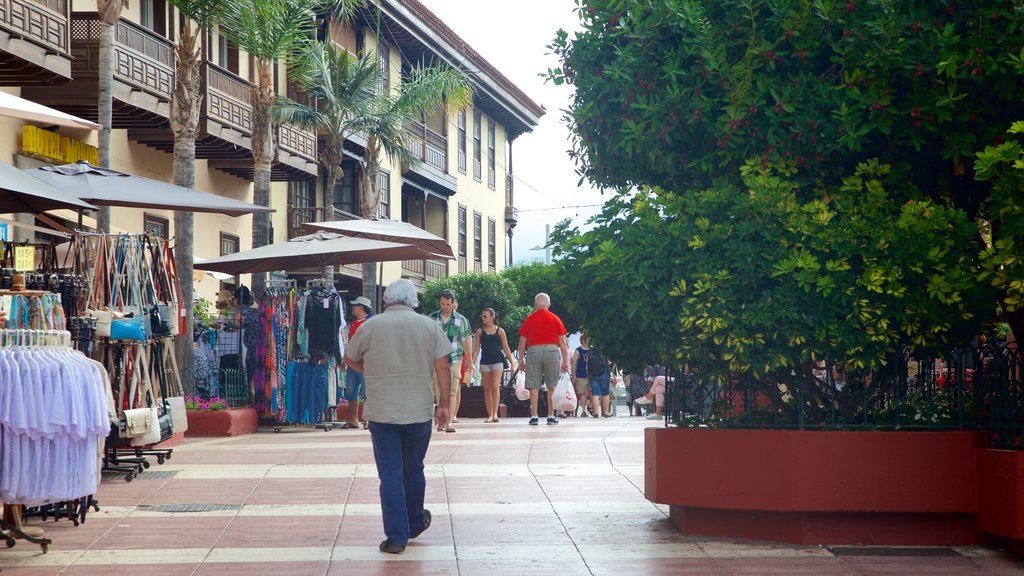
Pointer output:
x,y
506,499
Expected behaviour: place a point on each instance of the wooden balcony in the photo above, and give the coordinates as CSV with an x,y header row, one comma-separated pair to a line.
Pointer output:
x,y
225,132
143,74
35,42
422,271
429,146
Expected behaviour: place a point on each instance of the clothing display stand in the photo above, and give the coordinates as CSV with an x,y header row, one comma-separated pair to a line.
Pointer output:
x,y
131,275
297,374
57,450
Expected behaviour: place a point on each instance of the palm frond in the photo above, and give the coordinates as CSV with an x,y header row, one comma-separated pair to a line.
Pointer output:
x,y
269,30
343,10
205,13
428,87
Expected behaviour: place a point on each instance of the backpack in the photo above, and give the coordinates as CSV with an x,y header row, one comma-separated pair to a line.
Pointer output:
x,y
597,364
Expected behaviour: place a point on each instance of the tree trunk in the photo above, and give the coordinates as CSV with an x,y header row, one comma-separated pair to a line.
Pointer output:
x,y
369,206
185,106
262,153
332,158
109,12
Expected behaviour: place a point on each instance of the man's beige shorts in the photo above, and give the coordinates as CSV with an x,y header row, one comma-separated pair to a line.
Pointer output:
x,y
455,369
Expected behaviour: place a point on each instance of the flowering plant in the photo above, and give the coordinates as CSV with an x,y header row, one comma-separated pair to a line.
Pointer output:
x,y
197,403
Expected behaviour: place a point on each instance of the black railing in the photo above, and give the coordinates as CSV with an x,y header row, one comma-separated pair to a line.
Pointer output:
x,y
969,389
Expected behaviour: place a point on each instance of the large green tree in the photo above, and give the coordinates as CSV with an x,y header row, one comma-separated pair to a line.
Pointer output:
x,y
681,98
676,93
749,278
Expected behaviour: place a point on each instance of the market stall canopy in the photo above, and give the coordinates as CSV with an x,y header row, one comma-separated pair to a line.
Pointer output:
x,y
215,275
103,186
20,192
388,231
313,251
17,107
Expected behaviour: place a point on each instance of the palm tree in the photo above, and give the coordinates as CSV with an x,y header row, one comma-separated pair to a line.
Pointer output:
x,y
341,87
426,88
186,101
268,31
109,12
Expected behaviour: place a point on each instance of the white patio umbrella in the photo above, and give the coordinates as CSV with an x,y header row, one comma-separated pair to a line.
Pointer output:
x,y
17,107
313,252
388,231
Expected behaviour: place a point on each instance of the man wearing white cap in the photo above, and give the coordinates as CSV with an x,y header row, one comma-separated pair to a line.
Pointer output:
x,y
354,380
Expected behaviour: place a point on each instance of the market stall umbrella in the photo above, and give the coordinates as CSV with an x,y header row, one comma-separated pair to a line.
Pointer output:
x,y
17,107
20,192
103,186
388,231
313,251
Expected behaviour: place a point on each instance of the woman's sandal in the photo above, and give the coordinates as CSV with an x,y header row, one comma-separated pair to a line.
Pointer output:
x,y
348,426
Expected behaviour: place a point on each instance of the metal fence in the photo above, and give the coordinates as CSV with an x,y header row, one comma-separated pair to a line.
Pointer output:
x,y
974,388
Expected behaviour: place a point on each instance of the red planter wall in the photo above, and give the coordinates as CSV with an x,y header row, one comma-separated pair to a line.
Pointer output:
x,y
231,422
818,487
1001,493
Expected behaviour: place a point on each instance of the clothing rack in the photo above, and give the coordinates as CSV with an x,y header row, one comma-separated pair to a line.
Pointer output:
x,y
23,337
319,283
282,284
11,527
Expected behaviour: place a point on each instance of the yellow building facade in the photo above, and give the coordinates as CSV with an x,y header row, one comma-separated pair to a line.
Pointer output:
x,y
460,190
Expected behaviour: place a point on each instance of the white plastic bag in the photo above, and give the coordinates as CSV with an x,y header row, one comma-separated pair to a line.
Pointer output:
x,y
521,392
564,397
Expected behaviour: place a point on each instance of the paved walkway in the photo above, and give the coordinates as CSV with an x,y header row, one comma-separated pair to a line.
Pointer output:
x,y
506,499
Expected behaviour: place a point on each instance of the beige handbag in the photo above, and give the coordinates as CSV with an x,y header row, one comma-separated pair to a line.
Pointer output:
x,y
136,423
179,417
152,435
103,321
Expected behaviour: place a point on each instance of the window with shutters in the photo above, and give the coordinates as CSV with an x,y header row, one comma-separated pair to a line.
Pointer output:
x,y
462,141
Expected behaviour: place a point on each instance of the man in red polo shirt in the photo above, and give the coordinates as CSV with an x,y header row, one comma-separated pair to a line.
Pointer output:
x,y
542,341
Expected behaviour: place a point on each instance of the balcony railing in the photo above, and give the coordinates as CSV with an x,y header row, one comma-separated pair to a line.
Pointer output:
x,y
425,270
228,98
42,22
299,216
143,60
429,146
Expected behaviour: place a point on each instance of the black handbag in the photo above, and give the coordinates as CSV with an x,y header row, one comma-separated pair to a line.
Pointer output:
x,y
160,320
166,422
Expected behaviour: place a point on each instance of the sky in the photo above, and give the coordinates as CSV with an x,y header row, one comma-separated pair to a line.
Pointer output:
x,y
512,37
